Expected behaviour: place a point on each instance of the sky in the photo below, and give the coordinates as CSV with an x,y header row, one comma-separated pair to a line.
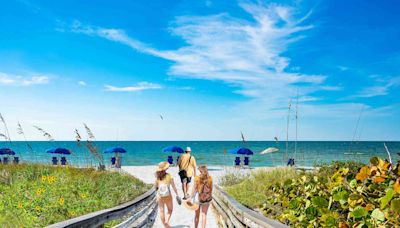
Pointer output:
x,y
201,69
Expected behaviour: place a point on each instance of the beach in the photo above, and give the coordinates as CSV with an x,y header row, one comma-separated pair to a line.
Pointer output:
x,y
182,217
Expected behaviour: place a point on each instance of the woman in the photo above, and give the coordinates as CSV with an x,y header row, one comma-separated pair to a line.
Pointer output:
x,y
203,187
164,197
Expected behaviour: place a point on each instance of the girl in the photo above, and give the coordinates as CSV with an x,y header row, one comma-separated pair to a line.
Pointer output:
x,y
164,197
203,186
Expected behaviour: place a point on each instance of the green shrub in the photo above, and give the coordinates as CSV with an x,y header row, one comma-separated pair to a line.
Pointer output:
x,y
341,194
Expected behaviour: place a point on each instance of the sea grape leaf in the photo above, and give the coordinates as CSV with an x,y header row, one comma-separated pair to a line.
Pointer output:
x,y
363,173
377,214
330,222
359,212
343,225
395,205
369,207
311,213
378,180
341,196
386,199
374,160
319,202
396,185
354,200
293,204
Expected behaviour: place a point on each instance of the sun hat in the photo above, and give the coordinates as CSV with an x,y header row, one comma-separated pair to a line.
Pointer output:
x,y
188,149
190,205
162,166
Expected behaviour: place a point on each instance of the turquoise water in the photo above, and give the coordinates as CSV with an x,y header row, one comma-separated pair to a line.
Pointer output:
x,y
211,152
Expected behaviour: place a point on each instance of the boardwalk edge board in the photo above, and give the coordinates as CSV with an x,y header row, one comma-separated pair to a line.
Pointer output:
x,y
233,214
98,218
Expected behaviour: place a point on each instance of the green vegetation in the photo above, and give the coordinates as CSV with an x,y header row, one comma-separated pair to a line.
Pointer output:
x,y
342,194
39,195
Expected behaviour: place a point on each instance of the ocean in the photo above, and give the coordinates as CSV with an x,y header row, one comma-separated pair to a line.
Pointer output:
x,y
309,153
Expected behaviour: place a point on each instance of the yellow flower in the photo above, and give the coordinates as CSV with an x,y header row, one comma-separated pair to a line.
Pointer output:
x,y
39,191
51,179
38,208
72,213
20,205
44,178
61,201
83,195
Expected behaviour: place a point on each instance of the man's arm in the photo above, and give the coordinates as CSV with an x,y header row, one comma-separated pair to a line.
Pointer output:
x,y
194,167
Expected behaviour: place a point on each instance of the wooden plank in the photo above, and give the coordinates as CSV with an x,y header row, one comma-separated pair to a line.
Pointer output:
x,y
98,218
227,222
248,217
225,207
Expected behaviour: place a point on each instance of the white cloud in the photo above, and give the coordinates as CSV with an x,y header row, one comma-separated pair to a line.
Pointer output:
x,y
138,87
82,83
379,90
18,80
248,54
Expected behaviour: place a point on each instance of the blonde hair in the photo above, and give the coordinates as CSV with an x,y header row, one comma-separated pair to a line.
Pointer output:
x,y
204,176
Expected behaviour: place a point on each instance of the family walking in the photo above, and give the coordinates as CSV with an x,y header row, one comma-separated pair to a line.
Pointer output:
x,y
199,197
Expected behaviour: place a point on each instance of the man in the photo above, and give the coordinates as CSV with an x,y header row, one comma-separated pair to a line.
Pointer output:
x,y
187,169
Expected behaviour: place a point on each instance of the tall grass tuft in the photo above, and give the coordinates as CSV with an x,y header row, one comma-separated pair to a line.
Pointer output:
x,y
92,147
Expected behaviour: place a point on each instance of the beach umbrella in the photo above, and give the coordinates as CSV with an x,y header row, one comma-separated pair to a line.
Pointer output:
x,y
173,149
269,150
6,151
58,150
115,150
241,150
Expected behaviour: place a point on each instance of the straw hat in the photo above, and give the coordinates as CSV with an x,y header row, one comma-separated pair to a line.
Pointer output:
x,y
190,205
188,149
162,166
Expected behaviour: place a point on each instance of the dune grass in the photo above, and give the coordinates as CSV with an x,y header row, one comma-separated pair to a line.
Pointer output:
x,y
39,195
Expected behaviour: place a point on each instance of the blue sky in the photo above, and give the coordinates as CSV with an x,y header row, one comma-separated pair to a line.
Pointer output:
x,y
211,68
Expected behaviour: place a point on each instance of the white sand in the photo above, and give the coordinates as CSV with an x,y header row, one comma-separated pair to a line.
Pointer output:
x,y
181,217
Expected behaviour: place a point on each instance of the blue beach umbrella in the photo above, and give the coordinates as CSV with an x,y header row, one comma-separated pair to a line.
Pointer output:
x,y
58,150
173,149
115,150
6,151
241,151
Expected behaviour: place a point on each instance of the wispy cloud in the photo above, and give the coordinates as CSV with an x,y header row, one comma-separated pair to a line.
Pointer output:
x,y
19,80
138,87
379,90
248,54
82,83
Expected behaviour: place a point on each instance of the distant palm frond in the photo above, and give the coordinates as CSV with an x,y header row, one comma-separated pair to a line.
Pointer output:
x,y
45,133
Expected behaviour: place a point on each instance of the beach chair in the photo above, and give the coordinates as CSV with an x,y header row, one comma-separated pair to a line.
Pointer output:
x,y
113,159
246,161
54,160
237,161
16,160
5,160
63,161
170,160
290,162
